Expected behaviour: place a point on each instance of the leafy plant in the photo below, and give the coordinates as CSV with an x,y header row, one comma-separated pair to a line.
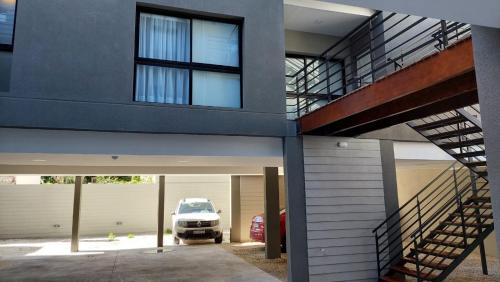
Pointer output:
x,y
130,236
111,236
168,231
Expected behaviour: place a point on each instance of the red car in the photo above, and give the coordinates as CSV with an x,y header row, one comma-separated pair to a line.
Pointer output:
x,y
257,229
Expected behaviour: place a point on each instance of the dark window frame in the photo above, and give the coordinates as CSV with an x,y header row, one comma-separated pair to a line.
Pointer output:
x,y
10,47
191,66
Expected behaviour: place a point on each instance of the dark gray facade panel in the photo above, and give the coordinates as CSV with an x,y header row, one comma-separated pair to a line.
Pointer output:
x,y
487,63
85,55
5,66
298,263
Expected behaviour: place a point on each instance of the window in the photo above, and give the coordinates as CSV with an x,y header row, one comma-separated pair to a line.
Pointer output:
x,y
7,21
186,60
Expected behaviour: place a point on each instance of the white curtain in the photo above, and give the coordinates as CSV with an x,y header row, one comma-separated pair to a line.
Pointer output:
x,y
163,38
162,85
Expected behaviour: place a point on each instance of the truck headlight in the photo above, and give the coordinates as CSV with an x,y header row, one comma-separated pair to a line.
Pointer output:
x,y
182,223
215,222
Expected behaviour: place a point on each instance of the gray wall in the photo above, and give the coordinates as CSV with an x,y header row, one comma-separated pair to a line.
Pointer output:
x,y
5,67
74,70
344,202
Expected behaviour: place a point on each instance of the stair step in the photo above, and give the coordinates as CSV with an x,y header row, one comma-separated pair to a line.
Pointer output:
x,y
455,233
472,164
467,224
391,279
469,215
482,173
469,154
472,206
446,243
480,199
427,263
454,133
440,123
453,145
411,272
437,253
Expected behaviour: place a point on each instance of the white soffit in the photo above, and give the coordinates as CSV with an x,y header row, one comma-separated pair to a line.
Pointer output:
x,y
321,17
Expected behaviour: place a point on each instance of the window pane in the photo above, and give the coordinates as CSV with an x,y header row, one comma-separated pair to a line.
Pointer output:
x,y
215,43
164,38
216,89
162,85
7,13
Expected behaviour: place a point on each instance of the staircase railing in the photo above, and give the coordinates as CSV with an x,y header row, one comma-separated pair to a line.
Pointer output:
x,y
415,220
383,44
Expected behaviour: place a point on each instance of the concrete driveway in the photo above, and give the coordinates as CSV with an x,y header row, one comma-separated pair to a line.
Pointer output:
x,y
207,262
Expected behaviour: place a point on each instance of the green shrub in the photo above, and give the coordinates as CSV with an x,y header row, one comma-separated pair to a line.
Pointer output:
x,y
168,231
111,236
130,235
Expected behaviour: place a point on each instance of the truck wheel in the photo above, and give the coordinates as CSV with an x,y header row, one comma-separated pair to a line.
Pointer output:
x,y
176,241
283,245
218,240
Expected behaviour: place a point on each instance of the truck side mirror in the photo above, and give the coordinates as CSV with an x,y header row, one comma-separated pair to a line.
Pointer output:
x,y
219,211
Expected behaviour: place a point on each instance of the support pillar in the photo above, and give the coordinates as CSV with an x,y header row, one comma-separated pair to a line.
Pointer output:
x,y
235,209
296,240
272,212
161,211
75,228
487,68
391,199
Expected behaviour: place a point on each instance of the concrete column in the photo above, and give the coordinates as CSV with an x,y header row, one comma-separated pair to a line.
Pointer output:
x,y
235,209
487,65
296,240
76,214
390,192
161,210
272,212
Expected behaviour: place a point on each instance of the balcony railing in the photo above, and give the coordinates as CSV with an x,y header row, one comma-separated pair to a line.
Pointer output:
x,y
383,44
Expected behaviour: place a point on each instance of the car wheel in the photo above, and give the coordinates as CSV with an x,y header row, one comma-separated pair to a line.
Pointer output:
x,y
218,240
176,241
283,245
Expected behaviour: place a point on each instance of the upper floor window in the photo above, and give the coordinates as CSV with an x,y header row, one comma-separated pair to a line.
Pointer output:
x,y
185,60
7,20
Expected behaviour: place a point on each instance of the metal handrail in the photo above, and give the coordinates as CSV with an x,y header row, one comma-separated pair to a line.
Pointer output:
x,y
386,38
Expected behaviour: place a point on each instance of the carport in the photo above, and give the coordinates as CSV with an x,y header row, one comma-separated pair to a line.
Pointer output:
x,y
240,159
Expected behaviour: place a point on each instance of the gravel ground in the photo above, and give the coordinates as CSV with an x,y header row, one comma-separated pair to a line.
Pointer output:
x,y
254,254
470,270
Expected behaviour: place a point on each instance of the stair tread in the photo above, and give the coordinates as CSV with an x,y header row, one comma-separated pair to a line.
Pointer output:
x,y
469,154
478,163
467,143
437,253
473,206
453,133
427,263
455,233
480,199
411,272
440,123
468,215
467,224
446,243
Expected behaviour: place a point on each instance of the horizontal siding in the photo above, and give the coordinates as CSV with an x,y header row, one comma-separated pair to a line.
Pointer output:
x,y
344,202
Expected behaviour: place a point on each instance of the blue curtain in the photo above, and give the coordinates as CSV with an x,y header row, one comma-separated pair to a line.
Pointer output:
x,y
163,38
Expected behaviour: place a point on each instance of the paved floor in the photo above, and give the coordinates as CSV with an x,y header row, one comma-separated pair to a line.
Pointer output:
x,y
179,263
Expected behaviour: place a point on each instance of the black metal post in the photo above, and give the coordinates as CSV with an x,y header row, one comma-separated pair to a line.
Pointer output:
x,y
482,251
444,30
328,91
297,93
459,206
306,87
378,254
417,259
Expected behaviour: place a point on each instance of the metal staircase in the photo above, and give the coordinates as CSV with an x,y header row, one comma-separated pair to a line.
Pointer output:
x,y
430,235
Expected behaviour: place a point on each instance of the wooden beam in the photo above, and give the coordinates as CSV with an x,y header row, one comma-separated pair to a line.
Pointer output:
x,y
161,211
272,213
75,228
420,83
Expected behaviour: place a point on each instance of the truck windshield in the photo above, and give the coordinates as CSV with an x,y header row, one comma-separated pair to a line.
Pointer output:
x,y
196,207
